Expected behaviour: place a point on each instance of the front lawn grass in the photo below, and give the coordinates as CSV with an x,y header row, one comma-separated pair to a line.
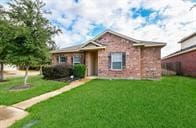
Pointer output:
x,y
168,103
39,86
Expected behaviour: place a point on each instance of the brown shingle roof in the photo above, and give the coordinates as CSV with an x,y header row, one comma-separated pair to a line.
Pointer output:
x,y
76,48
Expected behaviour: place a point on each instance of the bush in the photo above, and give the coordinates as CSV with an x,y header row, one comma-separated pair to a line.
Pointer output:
x,y
79,70
57,71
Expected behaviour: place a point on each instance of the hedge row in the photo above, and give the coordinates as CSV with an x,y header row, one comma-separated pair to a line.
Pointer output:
x,y
63,71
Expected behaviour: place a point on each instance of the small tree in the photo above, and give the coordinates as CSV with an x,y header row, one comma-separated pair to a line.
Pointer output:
x,y
31,46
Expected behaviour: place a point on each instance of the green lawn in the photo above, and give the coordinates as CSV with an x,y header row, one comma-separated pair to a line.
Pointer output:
x,y
168,103
40,86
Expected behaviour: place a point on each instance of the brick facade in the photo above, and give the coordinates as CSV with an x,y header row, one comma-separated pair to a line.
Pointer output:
x,y
151,62
187,63
141,62
116,44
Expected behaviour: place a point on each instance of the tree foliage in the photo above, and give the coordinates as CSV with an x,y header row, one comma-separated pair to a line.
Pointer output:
x,y
32,44
34,36
7,33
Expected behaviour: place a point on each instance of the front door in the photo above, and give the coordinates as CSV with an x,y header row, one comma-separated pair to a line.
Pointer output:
x,y
92,63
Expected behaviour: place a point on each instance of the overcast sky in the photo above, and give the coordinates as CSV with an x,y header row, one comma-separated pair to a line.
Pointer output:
x,y
154,20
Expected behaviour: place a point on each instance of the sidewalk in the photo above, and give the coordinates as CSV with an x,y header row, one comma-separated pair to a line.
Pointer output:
x,y
10,114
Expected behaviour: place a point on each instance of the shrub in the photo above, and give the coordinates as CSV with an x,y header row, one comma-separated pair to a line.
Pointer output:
x,y
79,70
57,71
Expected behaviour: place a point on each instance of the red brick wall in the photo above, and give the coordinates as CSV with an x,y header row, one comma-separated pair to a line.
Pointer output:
x,y
151,62
140,63
188,62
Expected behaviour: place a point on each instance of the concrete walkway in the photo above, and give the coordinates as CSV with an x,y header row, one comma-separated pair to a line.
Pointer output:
x,y
10,114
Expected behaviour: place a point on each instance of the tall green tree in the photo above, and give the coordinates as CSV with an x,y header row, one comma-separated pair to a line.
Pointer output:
x,y
31,46
6,36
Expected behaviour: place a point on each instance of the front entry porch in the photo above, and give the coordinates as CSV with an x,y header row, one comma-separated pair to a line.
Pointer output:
x,y
91,58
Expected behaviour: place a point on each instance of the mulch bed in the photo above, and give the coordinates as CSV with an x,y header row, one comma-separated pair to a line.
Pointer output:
x,y
66,79
20,87
28,86
1,81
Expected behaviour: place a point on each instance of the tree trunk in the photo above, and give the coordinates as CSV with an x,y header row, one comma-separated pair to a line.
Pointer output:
x,y
40,70
1,71
26,75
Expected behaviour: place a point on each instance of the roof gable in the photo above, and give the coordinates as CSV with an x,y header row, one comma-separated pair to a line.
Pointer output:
x,y
116,34
91,45
137,42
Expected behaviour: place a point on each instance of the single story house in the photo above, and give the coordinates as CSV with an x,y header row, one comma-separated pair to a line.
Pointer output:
x,y
113,55
183,62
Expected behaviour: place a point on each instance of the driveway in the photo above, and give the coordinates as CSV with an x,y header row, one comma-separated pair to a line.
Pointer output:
x,y
19,73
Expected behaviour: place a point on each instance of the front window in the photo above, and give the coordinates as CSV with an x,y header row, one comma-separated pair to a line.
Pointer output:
x,y
76,59
61,59
116,62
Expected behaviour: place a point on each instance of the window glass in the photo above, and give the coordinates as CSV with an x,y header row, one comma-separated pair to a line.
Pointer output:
x,y
76,59
116,61
63,59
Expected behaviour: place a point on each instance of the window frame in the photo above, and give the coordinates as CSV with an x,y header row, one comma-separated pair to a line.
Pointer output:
x,y
60,62
57,59
74,59
112,54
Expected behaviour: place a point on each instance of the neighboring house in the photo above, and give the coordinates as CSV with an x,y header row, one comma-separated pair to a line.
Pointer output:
x,y
183,62
10,68
113,55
